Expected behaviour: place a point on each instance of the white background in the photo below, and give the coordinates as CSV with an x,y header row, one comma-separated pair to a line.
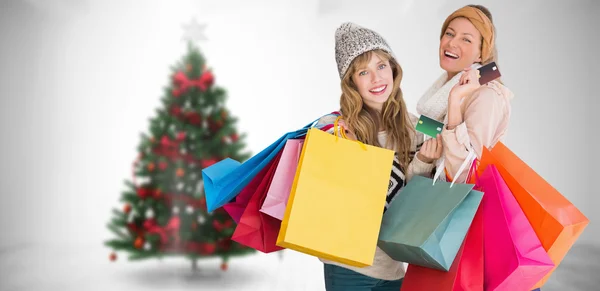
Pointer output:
x,y
80,80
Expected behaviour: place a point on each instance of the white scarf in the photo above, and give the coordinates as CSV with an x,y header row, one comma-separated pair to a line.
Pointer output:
x,y
434,103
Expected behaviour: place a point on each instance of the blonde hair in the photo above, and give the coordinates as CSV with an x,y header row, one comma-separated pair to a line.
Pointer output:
x,y
365,122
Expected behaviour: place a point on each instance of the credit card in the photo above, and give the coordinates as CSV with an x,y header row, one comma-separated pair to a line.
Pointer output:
x,y
489,73
429,126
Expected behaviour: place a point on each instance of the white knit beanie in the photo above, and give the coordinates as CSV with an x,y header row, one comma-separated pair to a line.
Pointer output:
x,y
352,40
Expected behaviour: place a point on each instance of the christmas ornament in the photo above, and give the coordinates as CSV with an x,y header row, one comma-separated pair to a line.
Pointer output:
x,y
147,246
234,137
189,209
224,266
175,210
138,243
226,140
183,83
151,166
175,110
181,136
194,31
201,219
127,208
162,165
180,172
149,213
180,186
113,257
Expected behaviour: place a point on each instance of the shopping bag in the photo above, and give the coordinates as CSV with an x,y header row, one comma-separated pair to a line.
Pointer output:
x,y
555,220
514,257
337,199
236,208
280,188
465,273
256,229
426,223
225,179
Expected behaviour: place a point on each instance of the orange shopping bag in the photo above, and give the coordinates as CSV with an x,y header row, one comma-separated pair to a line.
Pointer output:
x,y
556,221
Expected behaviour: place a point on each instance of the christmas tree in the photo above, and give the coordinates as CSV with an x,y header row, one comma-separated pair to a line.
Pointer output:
x,y
164,209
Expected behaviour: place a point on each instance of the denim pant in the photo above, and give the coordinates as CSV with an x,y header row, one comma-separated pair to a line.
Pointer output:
x,y
339,278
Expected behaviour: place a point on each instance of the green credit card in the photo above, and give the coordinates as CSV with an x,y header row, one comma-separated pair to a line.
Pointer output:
x,y
428,126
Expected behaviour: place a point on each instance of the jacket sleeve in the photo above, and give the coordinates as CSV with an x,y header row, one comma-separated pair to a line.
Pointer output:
x,y
485,111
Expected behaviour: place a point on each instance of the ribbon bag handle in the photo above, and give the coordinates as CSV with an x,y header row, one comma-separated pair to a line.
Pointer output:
x,y
336,127
441,167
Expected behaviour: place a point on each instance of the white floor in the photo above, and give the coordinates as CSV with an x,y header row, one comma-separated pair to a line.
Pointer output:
x,y
44,267
88,268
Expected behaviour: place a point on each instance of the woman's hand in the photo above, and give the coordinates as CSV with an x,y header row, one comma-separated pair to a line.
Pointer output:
x,y
469,82
349,134
431,150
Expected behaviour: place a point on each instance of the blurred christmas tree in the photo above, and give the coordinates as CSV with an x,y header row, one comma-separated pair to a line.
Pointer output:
x,y
164,212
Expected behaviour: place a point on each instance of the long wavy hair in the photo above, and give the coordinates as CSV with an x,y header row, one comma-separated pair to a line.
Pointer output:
x,y
366,122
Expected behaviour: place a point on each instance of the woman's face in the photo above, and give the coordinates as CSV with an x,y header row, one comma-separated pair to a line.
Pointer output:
x,y
374,81
460,46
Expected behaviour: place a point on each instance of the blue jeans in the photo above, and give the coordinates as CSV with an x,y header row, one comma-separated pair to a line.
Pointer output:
x,y
339,278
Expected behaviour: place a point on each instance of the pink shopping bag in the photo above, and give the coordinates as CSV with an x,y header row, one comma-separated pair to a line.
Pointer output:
x,y
279,191
514,256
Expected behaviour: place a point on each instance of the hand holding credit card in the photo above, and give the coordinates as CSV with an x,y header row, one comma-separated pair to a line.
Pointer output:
x,y
429,126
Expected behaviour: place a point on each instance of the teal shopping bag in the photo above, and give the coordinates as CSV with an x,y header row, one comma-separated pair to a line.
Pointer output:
x,y
426,223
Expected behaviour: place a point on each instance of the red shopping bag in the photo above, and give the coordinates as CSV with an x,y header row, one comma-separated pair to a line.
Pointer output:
x,y
256,229
238,205
466,272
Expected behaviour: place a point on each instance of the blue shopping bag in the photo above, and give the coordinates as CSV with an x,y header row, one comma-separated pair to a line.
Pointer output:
x,y
224,180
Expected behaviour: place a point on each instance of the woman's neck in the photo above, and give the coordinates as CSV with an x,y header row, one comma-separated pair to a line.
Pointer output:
x,y
451,75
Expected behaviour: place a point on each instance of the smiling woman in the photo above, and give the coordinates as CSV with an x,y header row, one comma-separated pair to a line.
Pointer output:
x,y
374,113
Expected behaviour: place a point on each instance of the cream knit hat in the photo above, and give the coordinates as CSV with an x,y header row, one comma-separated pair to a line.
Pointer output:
x,y
352,40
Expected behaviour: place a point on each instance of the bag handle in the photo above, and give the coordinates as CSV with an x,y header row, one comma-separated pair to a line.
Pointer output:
x,y
441,168
343,133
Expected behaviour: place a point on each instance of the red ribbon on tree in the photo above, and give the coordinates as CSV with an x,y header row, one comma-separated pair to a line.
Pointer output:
x,y
183,83
170,229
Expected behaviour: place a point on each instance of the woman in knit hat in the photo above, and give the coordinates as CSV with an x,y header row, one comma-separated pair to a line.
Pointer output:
x,y
374,112
475,116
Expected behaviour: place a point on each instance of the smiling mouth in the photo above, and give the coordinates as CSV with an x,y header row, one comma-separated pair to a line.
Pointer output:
x,y
450,55
378,90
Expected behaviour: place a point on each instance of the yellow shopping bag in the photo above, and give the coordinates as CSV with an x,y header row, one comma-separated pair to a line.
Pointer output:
x,y
337,199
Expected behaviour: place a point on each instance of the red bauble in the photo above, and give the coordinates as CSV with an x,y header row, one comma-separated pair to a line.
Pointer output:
x,y
127,208
162,165
139,242
113,257
234,137
217,225
209,248
181,136
193,118
224,266
175,110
